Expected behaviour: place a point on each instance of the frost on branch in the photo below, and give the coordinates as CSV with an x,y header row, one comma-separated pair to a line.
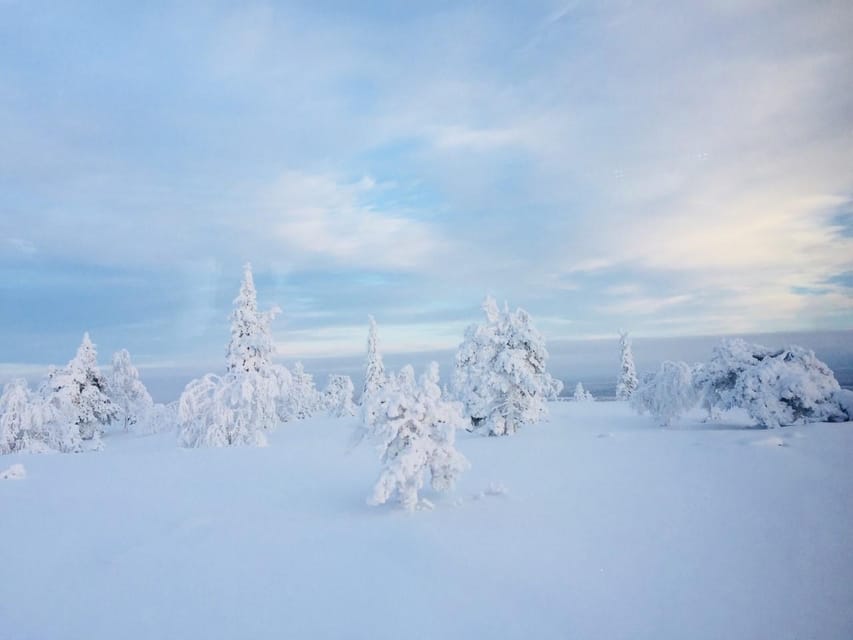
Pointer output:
x,y
415,431
500,374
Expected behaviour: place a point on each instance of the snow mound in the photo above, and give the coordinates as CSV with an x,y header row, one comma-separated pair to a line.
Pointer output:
x,y
15,472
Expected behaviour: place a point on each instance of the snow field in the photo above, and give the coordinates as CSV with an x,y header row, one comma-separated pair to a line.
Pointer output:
x,y
608,527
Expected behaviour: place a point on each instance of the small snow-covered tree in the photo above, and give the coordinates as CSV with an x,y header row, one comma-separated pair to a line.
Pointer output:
x,y
304,399
337,398
776,387
77,402
237,408
415,430
667,394
627,382
501,374
127,392
16,428
284,385
581,394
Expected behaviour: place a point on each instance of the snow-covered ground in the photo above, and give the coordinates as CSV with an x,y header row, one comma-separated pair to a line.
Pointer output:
x,y
609,527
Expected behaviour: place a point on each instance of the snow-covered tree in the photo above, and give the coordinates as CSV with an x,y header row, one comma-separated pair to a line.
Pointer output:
x,y
16,413
237,408
251,347
374,372
284,385
667,394
127,392
581,394
501,374
77,402
776,387
337,397
304,399
627,382
415,431
223,412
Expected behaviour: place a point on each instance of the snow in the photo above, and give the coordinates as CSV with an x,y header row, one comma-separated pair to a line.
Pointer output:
x,y
15,472
597,524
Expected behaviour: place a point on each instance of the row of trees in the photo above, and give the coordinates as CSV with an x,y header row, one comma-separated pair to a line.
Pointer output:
x,y
775,387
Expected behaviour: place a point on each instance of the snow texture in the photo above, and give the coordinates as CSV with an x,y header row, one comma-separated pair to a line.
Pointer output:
x,y
608,528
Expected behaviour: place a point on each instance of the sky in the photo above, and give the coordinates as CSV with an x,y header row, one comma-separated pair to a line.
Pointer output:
x,y
670,168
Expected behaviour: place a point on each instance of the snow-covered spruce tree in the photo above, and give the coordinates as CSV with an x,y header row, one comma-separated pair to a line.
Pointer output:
x,y
337,398
581,394
667,394
415,430
127,392
77,399
237,408
776,387
627,382
374,370
500,373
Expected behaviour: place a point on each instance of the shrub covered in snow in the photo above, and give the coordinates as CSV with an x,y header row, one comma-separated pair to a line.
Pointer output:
x,y
500,374
627,382
237,408
415,430
303,400
337,397
776,387
667,394
581,394
127,392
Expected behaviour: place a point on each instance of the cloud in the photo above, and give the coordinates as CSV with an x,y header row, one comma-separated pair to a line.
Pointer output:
x,y
318,216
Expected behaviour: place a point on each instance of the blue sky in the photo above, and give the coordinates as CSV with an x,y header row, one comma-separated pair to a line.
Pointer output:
x,y
666,167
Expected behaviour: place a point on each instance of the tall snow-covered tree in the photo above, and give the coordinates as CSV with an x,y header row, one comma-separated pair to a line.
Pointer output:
x,y
414,430
667,394
501,374
237,408
627,382
337,397
251,347
374,369
127,392
78,398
